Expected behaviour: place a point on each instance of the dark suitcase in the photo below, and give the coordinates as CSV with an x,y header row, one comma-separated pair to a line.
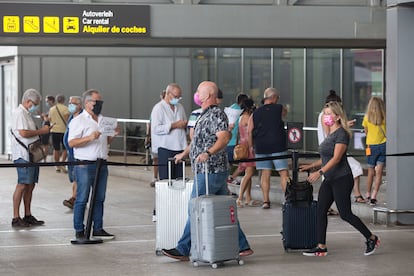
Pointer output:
x,y
299,226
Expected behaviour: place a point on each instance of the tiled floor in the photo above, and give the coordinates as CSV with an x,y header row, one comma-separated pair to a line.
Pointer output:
x,y
46,250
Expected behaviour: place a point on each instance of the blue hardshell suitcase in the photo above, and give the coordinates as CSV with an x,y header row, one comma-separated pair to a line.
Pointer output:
x,y
299,226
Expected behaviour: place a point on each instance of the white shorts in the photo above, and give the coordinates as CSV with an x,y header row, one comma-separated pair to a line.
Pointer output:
x,y
355,167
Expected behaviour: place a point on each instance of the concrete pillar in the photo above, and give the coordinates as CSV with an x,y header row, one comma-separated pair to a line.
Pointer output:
x,y
400,101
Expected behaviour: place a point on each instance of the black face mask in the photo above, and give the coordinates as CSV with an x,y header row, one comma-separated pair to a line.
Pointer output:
x,y
97,108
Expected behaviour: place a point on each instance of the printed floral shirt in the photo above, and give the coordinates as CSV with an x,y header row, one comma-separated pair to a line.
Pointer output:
x,y
211,121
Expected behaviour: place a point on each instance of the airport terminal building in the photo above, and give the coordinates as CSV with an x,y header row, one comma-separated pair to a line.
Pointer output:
x,y
130,50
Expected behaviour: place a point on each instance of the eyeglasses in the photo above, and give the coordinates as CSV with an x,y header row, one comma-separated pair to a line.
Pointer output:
x,y
176,97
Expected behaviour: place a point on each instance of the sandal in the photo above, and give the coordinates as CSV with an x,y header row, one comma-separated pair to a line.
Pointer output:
x,y
266,205
359,199
253,203
239,203
332,212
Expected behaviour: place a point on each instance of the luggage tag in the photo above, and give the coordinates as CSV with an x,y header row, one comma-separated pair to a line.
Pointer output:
x,y
368,151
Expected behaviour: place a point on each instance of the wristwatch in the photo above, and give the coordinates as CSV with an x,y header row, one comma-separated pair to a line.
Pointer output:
x,y
321,172
209,153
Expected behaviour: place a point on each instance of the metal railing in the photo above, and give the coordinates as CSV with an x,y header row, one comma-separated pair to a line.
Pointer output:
x,y
133,134
131,139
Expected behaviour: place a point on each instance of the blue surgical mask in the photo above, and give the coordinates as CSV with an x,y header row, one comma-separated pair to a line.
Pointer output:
x,y
33,108
174,101
72,108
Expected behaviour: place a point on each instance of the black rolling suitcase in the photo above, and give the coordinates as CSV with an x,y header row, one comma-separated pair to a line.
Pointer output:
x,y
299,226
299,216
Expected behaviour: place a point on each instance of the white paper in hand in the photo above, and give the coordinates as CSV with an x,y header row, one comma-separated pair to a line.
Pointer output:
x,y
107,126
232,114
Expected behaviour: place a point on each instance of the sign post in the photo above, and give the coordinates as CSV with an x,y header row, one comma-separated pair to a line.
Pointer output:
x,y
295,142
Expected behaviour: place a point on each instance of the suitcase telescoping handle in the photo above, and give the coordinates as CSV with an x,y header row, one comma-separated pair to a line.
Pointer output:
x,y
206,176
171,162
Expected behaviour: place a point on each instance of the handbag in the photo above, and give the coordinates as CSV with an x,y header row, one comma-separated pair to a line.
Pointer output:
x,y
36,152
299,193
35,149
241,151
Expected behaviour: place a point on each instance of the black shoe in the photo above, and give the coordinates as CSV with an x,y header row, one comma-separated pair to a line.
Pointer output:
x,y
102,234
175,254
80,235
19,223
317,251
372,245
32,220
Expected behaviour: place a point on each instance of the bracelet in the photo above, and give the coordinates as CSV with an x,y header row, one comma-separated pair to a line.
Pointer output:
x,y
209,153
321,172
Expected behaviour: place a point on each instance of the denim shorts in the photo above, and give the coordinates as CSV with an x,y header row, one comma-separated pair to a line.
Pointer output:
x,y
377,156
26,175
278,164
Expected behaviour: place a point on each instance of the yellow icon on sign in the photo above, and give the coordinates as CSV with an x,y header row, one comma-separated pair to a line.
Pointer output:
x,y
51,24
31,24
71,25
11,24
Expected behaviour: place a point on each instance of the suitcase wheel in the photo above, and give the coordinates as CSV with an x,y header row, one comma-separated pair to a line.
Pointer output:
x,y
158,252
241,262
195,264
214,265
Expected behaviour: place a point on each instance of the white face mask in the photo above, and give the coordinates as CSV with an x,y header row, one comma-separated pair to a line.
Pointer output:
x,y
174,101
72,108
33,108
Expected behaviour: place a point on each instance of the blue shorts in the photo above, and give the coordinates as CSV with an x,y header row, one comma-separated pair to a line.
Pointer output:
x,y
26,175
278,164
230,151
377,156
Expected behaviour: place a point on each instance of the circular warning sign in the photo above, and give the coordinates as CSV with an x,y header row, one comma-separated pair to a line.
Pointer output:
x,y
295,135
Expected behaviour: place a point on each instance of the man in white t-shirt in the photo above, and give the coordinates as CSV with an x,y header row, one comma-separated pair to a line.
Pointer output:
x,y
25,132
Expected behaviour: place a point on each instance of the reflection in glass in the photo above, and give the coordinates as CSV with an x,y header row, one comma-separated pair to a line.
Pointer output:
x,y
257,72
288,78
229,77
303,77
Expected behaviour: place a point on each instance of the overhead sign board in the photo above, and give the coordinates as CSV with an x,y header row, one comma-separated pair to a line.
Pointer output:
x,y
74,20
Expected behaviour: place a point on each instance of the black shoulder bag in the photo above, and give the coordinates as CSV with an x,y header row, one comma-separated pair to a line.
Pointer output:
x,y
299,193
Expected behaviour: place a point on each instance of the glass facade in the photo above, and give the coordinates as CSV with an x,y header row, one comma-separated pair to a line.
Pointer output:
x,y
303,77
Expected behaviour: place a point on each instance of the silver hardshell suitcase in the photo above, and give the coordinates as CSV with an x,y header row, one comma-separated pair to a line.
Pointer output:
x,y
171,205
214,229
